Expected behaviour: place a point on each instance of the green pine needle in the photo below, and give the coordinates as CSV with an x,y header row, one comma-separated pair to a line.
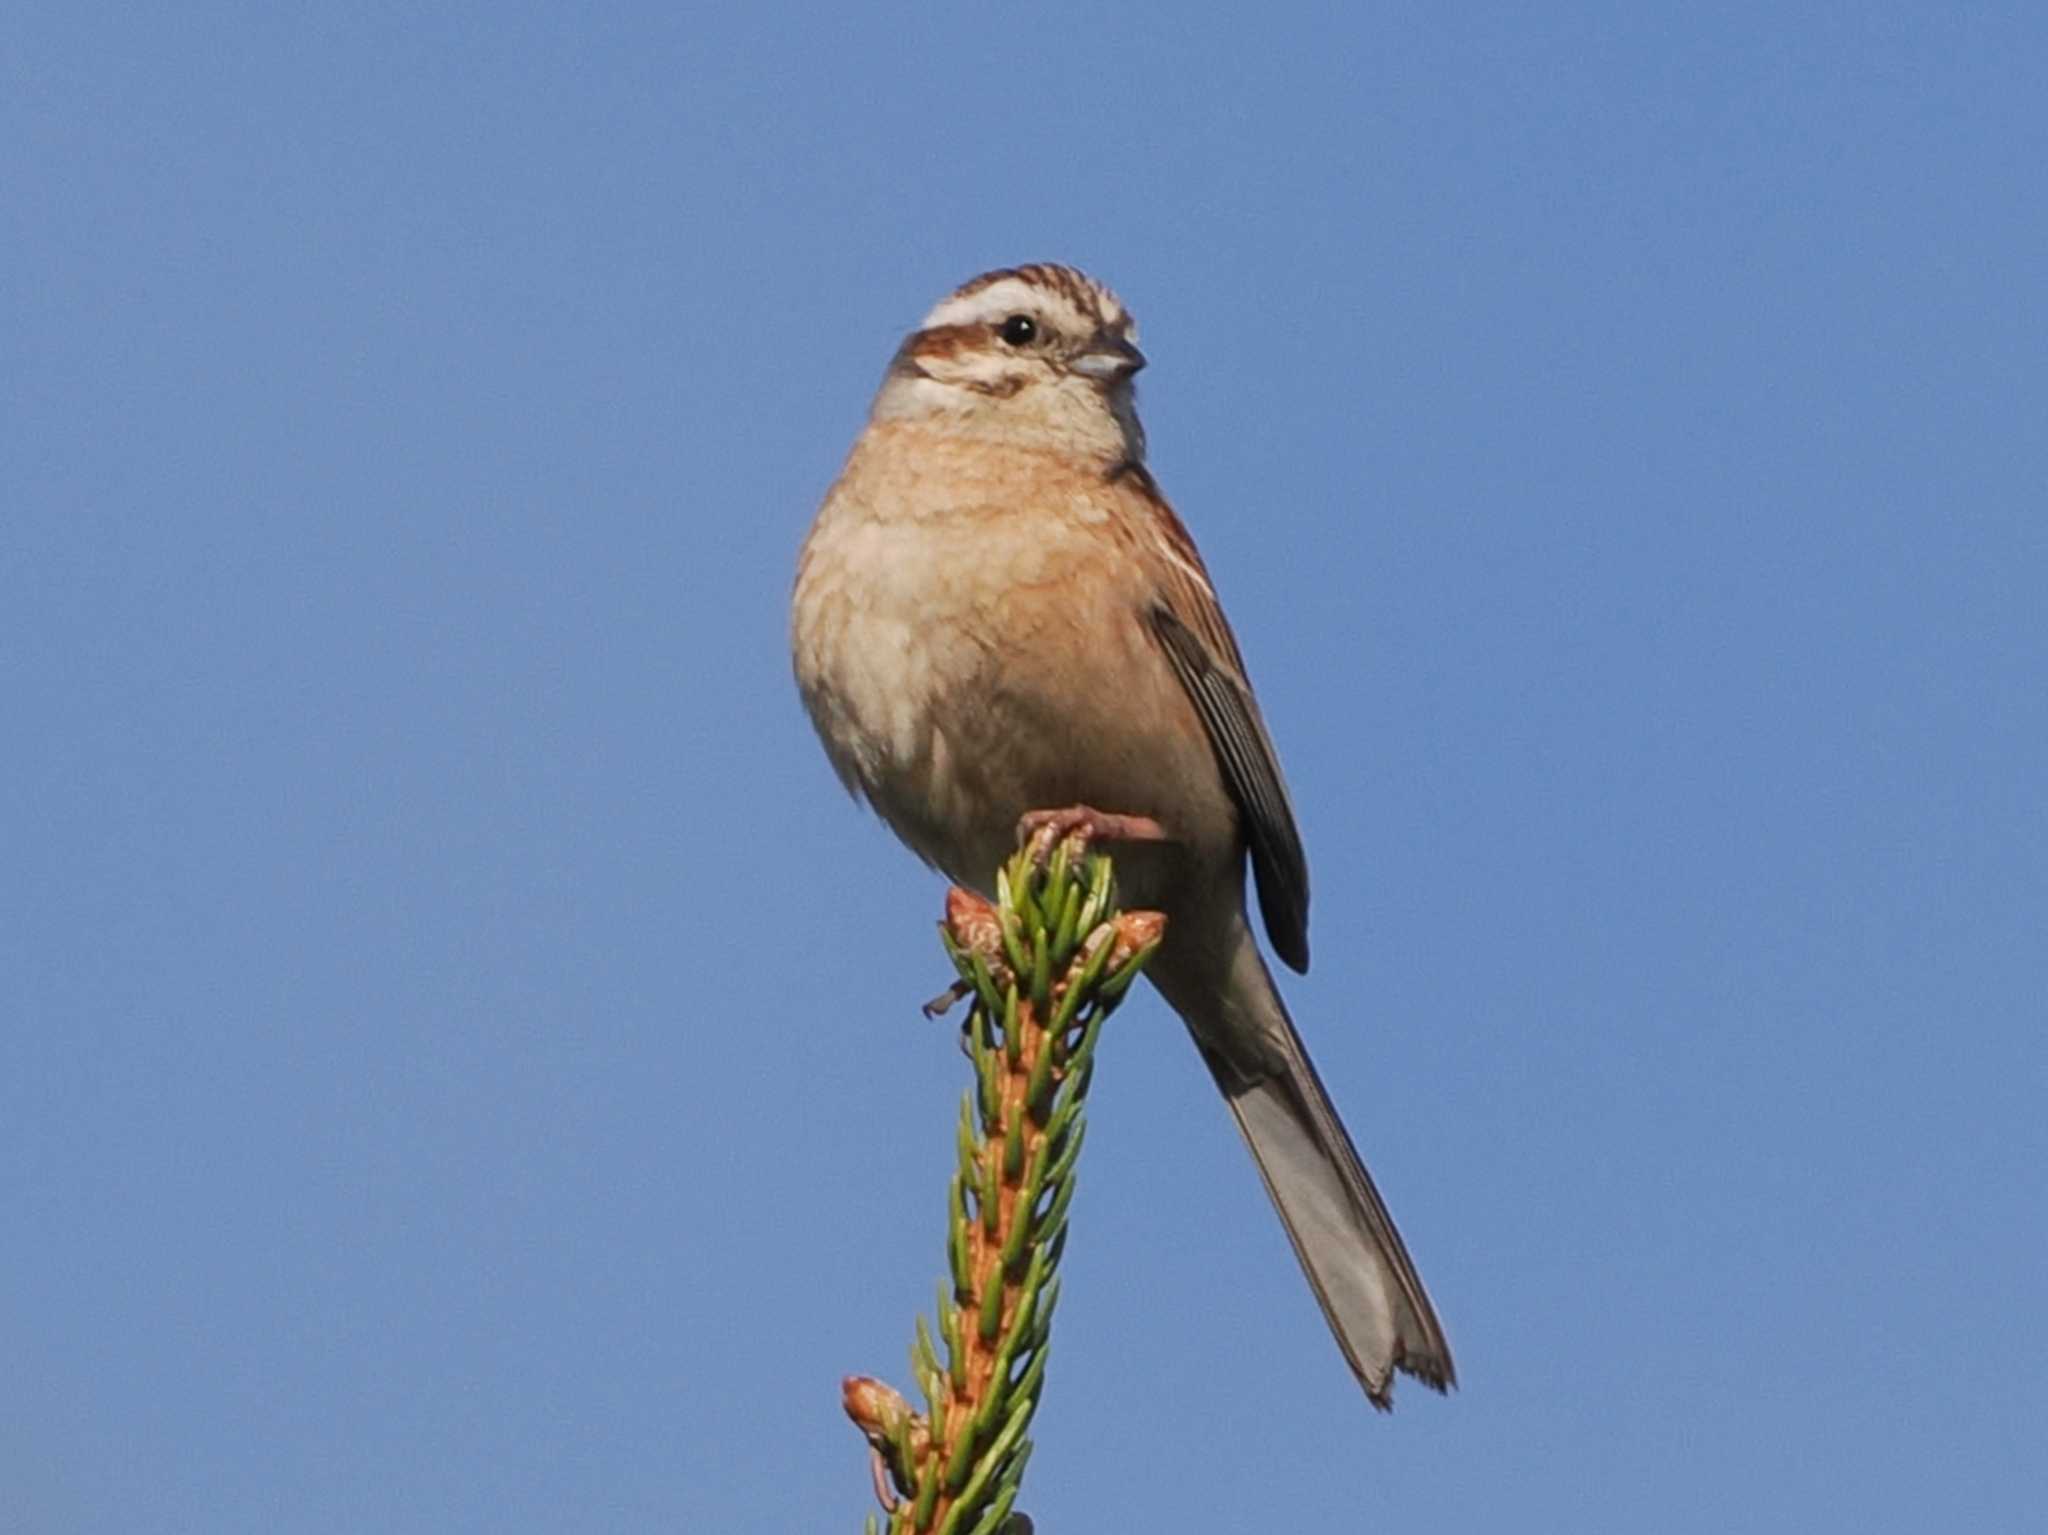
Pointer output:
x,y
1066,960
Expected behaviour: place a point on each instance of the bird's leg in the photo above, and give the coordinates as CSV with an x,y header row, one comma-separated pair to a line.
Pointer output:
x,y
1043,830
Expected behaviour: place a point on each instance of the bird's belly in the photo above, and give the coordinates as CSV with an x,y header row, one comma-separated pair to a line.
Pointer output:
x,y
956,702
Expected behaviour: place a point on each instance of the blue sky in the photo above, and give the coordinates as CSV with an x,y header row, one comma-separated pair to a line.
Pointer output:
x,y
459,1062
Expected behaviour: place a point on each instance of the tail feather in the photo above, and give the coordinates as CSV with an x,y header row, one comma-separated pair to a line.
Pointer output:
x,y
1352,1254
1347,1243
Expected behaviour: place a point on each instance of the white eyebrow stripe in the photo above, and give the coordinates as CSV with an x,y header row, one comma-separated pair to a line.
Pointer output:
x,y
992,302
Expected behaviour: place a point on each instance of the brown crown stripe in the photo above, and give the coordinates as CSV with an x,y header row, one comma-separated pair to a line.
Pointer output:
x,y
1077,287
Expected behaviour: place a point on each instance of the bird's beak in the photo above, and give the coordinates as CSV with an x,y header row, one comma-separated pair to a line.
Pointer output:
x,y
1111,359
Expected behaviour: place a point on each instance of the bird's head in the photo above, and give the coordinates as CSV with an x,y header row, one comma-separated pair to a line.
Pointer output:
x,y
1035,355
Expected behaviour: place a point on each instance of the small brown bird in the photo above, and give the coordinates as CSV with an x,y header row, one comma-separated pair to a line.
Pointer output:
x,y
999,621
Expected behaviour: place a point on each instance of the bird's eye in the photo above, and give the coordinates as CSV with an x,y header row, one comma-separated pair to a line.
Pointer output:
x,y
1020,330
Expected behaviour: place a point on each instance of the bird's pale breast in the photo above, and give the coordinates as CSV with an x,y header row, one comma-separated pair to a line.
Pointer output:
x,y
969,641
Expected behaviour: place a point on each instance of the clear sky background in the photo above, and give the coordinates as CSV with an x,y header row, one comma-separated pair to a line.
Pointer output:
x,y
459,1058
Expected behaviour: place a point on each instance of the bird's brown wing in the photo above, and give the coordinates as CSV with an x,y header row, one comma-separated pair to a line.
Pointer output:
x,y
1245,753
1189,624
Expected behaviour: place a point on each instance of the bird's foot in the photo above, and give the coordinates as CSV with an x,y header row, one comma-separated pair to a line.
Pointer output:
x,y
1040,831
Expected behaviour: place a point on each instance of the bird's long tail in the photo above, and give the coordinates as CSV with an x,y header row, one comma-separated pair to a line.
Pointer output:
x,y
1346,1241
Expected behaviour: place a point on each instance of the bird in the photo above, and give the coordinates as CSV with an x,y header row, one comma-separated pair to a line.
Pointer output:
x,y
999,622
